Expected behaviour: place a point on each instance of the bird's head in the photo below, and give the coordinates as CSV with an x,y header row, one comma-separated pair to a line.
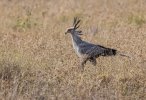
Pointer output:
x,y
74,28
70,30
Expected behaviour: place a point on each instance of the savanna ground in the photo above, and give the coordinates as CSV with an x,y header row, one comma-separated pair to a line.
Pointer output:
x,y
37,61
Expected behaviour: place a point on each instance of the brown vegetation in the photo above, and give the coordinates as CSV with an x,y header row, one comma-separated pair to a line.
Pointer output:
x,y
37,61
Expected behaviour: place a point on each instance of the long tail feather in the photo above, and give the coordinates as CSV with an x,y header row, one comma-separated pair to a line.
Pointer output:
x,y
113,52
124,54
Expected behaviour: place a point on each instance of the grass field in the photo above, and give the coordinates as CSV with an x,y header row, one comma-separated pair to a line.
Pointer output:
x,y
37,61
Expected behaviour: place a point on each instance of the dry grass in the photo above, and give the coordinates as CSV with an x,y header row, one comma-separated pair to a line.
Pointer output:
x,y
37,61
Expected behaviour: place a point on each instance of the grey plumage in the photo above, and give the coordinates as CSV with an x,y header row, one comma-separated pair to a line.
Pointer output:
x,y
85,50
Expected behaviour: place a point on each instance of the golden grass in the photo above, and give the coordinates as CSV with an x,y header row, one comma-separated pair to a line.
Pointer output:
x,y
37,61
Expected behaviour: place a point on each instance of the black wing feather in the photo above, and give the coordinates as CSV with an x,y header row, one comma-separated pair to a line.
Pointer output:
x,y
93,50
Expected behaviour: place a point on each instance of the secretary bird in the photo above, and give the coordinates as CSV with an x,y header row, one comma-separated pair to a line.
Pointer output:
x,y
87,51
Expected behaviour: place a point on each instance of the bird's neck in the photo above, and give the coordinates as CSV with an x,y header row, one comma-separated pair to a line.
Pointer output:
x,y
75,39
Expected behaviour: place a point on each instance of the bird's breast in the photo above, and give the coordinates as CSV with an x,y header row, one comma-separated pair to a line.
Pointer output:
x,y
76,48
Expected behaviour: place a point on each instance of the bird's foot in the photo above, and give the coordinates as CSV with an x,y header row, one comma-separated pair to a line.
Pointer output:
x,y
94,63
81,68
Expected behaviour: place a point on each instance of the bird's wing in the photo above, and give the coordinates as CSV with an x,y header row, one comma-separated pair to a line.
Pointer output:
x,y
91,49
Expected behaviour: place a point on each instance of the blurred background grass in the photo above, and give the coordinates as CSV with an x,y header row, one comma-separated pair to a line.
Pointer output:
x,y
37,61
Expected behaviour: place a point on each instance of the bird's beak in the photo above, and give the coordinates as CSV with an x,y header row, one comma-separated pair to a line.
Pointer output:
x,y
66,32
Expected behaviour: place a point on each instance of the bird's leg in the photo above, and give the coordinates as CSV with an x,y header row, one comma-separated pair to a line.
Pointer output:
x,y
83,62
93,61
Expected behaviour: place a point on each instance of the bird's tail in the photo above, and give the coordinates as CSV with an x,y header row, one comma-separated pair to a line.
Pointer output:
x,y
124,54
110,52
113,52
